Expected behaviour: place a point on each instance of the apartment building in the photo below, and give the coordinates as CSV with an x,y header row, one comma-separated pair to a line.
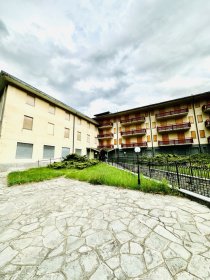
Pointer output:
x,y
180,126
35,127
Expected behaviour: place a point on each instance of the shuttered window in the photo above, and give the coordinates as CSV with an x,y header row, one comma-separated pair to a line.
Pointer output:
x,y
200,118
78,152
28,123
66,132
65,152
191,119
148,138
24,150
115,141
30,100
50,129
155,138
202,134
48,151
153,124
67,116
78,135
51,109
193,134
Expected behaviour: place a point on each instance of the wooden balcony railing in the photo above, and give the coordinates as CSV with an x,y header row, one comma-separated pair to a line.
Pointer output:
x,y
133,120
134,132
106,147
132,145
206,108
103,136
174,127
172,114
105,125
207,123
186,141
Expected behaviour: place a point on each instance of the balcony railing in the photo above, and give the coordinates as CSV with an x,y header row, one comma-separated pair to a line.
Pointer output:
x,y
133,132
186,141
206,108
105,125
174,127
133,120
172,114
103,136
132,145
106,147
207,123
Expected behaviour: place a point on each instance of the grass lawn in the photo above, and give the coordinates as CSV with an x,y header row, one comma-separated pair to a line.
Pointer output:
x,y
101,174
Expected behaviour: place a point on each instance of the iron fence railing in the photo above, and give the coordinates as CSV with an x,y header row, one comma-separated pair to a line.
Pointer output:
x,y
45,162
179,175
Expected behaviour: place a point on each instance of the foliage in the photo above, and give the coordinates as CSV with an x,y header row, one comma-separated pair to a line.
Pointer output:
x,y
74,161
100,174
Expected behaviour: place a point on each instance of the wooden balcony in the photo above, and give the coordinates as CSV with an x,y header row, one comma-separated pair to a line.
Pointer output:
x,y
105,136
206,108
133,145
133,120
106,147
105,125
174,142
207,123
174,127
172,114
133,132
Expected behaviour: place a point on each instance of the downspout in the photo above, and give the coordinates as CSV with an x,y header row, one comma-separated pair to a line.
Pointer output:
x,y
196,125
3,107
73,135
150,124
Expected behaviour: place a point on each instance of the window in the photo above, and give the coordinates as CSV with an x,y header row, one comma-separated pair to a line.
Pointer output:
x,y
191,119
30,100
51,109
148,138
153,124
147,125
200,118
197,104
27,123
202,134
24,150
78,135
65,152
48,151
50,129
120,141
155,138
88,138
189,106
67,116
115,130
193,134
78,152
115,141
66,132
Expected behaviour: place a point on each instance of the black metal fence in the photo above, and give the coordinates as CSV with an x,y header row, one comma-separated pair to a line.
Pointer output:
x,y
179,175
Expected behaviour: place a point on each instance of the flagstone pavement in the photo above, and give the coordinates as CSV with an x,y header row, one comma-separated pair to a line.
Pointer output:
x,y
65,229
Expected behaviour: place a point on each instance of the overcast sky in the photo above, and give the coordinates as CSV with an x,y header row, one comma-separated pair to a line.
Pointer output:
x,y
99,55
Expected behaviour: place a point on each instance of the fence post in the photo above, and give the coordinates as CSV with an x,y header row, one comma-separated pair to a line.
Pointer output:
x,y
149,169
177,173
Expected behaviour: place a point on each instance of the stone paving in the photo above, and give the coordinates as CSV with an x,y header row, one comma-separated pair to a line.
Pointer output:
x,y
64,229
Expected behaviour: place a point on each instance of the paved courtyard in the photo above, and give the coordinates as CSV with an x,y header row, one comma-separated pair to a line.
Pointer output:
x,y
64,229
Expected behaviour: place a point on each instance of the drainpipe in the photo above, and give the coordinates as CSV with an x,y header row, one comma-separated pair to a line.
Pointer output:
x,y
73,135
150,125
3,107
196,125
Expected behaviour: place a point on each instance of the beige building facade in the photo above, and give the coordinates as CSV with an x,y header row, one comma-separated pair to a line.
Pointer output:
x,y
35,127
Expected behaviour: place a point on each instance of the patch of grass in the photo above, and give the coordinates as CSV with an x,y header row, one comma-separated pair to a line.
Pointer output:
x,y
100,174
32,175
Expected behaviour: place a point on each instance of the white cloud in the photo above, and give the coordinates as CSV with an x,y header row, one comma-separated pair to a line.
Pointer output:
x,y
92,84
